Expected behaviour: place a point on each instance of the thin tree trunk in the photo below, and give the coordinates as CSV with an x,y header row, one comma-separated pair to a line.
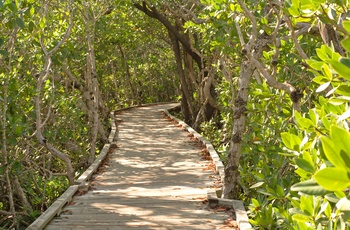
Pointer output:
x,y
127,73
64,157
86,105
39,124
91,79
186,97
5,155
5,158
21,194
231,187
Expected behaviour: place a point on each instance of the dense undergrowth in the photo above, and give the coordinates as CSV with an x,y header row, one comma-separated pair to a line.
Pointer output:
x,y
295,168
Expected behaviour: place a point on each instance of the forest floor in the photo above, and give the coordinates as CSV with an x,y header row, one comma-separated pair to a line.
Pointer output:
x,y
156,178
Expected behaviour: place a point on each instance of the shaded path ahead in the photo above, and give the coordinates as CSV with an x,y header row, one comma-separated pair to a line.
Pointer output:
x,y
155,179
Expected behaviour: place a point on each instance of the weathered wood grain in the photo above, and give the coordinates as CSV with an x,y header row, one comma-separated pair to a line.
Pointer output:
x,y
241,214
155,179
94,166
54,209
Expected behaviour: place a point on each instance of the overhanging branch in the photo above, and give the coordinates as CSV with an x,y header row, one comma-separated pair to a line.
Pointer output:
x,y
152,12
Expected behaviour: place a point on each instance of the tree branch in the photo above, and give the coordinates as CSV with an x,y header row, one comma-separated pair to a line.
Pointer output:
x,y
152,12
39,125
254,34
271,81
295,39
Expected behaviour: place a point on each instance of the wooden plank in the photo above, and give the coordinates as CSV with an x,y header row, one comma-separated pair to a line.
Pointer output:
x,y
139,226
149,220
216,159
120,212
127,227
94,166
156,175
241,215
54,209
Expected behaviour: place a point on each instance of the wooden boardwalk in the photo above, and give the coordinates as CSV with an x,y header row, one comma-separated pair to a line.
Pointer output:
x,y
155,179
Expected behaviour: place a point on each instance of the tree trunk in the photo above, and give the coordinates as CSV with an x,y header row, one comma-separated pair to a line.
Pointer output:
x,y
153,13
231,187
42,77
91,79
8,180
127,74
39,125
330,37
187,104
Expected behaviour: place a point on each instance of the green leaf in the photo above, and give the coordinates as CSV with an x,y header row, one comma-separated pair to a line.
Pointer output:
x,y
343,90
332,14
31,26
341,140
322,54
20,22
340,100
301,218
305,165
333,179
327,71
4,53
345,61
255,202
280,190
341,69
42,23
306,205
291,141
13,7
346,25
317,65
32,11
346,44
325,208
305,123
332,155
320,79
310,187
314,116
331,197
2,170
294,11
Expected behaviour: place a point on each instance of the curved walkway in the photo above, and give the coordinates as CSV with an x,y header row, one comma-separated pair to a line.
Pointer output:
x,y
156,178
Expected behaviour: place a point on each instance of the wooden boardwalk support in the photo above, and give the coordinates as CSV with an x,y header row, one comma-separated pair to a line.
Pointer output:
x,y
156,178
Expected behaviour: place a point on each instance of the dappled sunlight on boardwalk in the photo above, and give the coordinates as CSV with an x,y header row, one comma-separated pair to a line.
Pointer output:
x,y
155,179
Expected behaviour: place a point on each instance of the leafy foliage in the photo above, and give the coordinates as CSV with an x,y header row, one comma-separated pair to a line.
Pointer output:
x,y
325,170
294,172
132,68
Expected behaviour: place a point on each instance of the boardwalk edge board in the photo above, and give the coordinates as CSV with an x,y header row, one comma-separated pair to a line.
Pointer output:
x,y
56,208
241,214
